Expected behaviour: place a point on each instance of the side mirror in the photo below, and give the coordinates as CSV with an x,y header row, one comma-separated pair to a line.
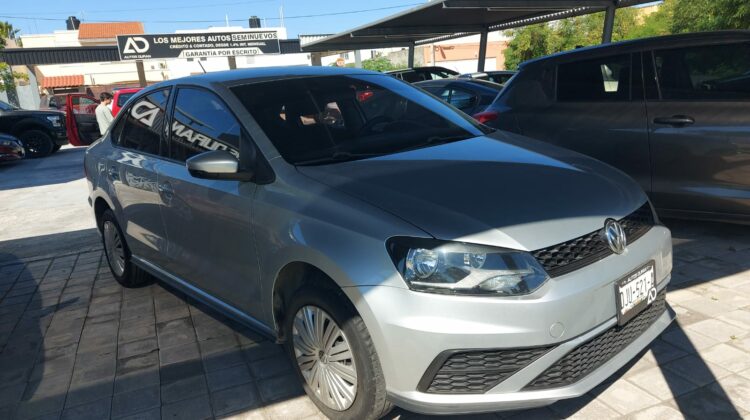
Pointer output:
x,y
217,164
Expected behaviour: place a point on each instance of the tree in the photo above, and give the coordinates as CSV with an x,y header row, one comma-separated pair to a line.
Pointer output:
x,y
380,63
8,77
547,38
7,32
710,15
528,42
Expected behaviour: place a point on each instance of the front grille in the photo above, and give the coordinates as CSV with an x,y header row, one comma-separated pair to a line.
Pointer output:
x,y
475,372
579,252
589,356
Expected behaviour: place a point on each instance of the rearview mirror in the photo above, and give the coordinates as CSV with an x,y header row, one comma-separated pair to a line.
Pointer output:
x,y
217,164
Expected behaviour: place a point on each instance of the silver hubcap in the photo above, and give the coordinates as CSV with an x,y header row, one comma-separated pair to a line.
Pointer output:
x,y
113,247
324,358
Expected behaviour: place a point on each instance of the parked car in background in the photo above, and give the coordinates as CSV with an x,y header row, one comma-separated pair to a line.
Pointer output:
x,y
496,76
41,132
673,112
418,74
81,122
469,95
121,96
398,250
10,148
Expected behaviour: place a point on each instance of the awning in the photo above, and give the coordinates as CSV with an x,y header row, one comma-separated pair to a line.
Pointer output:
x,y
447,19
62,81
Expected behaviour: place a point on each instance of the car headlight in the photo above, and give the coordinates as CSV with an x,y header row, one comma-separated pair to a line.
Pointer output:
x,y
55,120
458,268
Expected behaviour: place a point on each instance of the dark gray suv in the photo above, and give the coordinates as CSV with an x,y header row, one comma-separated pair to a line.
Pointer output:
x,y
673,112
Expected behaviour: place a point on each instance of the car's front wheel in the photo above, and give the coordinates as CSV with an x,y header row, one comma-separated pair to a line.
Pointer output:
x,y
37,143
118,255
334,356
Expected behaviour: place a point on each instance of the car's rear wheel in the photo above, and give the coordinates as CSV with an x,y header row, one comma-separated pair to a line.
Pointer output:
x,y
37,143
334,356
118,254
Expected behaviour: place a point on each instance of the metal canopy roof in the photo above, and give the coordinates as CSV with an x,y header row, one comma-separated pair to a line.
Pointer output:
x,y
440,20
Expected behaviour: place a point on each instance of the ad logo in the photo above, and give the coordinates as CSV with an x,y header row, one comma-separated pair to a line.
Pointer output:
x,y
135,45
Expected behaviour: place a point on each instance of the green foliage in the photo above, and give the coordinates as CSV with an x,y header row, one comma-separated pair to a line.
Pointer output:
x,y
710,15
8,77
381,63
528,42
7,32
673,16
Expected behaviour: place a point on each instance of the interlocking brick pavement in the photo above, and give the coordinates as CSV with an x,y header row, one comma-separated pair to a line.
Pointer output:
x,y
74,344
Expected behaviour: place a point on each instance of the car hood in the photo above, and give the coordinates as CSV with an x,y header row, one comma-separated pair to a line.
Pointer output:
x,y
34,113
500,189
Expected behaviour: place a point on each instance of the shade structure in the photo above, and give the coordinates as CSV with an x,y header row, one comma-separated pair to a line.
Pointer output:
x,y
441,20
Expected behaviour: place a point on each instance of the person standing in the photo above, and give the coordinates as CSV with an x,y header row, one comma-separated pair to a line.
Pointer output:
x,y
103,113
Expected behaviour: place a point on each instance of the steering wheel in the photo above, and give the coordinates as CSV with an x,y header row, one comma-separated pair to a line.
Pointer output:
x,y
369,125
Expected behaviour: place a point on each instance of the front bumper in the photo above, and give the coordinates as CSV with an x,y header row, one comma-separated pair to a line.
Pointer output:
x,y
411,329
60,136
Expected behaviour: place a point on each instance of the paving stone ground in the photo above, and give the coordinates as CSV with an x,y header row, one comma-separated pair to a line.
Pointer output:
x,y
75,345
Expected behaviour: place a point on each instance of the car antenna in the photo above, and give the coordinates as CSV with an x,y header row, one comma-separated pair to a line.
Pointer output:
x,y
201,64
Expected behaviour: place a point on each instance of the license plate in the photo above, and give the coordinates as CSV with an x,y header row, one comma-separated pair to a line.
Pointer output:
x,y
635,292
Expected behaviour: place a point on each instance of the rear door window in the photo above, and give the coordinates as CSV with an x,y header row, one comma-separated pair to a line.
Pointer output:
x,y
143,125
202,122
712,72
597,80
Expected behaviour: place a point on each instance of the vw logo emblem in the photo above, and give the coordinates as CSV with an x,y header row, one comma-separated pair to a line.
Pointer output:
x,y
615,236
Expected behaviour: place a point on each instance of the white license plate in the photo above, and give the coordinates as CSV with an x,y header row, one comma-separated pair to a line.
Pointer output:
x,y
635,292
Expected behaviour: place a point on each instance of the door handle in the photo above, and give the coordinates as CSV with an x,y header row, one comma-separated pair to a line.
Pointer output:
x,y
113,173
675,120
165,190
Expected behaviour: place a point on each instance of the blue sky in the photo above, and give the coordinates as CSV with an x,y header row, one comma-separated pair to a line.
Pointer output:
x,y
159,16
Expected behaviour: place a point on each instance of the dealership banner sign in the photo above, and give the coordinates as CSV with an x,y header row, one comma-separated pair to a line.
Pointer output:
x,y
189,45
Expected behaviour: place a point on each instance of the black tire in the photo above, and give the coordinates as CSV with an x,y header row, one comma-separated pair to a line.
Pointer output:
x,y
56,148
128,275
370,400
37,143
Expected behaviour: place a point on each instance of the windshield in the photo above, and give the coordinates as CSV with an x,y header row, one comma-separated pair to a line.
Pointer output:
x,y
7,107
334,118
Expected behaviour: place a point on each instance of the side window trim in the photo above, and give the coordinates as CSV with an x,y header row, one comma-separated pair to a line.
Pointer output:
x,y
245,137
653,52
125,111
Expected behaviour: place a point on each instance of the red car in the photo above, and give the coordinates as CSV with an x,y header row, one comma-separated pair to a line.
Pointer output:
x,y
82,128
121,97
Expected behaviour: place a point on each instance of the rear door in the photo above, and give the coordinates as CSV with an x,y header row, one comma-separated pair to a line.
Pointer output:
x,y
699,123
598,110
463,99
81,119
208,222
139,148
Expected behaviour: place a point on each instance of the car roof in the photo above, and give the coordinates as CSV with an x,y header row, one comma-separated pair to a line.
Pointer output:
x,y
249,75
423,68
483,84
667,41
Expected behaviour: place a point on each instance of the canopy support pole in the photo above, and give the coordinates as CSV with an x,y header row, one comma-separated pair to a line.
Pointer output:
x,y
609,23
410,59
141,73
482,50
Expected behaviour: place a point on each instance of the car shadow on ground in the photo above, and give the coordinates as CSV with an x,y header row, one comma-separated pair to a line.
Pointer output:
x,y
63,166
76,344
